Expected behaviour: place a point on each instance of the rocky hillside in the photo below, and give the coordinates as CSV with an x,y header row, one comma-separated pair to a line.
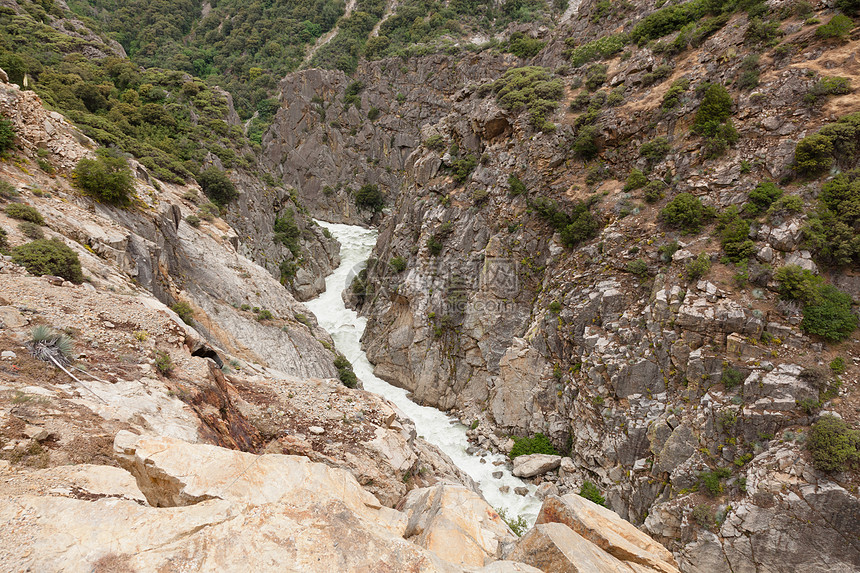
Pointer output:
x,y
211,434
609,248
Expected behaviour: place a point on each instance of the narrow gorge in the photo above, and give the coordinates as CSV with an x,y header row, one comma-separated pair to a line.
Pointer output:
x,y
469,285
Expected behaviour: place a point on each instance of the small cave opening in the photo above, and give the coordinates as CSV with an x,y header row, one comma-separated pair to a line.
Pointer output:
x,y
206,352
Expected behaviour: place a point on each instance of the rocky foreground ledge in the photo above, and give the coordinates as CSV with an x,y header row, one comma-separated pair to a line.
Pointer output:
x,y
177,506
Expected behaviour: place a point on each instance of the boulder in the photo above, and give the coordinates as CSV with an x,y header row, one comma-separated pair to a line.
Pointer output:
x,y
455,523
556,548
607,530
535,465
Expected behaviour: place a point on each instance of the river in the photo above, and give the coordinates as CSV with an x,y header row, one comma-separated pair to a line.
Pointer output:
x,y
346,328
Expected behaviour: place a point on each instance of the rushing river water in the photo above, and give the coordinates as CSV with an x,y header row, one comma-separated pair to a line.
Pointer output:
x,y
346,328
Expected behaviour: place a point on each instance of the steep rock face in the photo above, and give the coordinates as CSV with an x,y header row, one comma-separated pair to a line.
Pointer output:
x,y
327,148
651,377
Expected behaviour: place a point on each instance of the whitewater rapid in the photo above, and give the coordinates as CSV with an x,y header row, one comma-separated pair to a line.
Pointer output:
x,y
346,328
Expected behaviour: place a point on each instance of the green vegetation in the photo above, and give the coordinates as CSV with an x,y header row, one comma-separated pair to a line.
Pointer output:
x,y
163,363
734,235
834,142
515,186
827,86
217,186
713,481
761,198
602,48
585,145
539,444
712,120
24,213
287,232
838,365
704,515
575,228
345,372
672,99
638,267
4,242
834,445
555,307
595,76
45,336
462,167
686,212
518,526
590,492
370,197
265,315
748,76
731,377
635,180
397,264
698,267
31,230
193,220
524,46
655,150
7,136
532,88
49,257
831,230
850,7
838,28
107,178
184,311
826,309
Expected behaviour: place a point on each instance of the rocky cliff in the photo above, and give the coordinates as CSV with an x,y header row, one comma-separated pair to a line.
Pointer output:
x,y
676,388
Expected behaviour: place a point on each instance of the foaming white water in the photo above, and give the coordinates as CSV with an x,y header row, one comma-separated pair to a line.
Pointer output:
x,y
346,328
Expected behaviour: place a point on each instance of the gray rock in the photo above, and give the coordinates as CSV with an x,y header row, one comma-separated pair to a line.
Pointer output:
x,y
535,464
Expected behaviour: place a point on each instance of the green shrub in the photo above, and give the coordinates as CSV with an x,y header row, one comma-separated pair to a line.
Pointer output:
x,y
635,180
796,283
724,136
45,337
217,186
524,46
830,316
667,251
461,168
397,264
515,186
351,94
838,27
7,190
265,315
585,145
698,267
518,526
345,372
827,86
7,136
813,154
731,377
31,230
850,7
638,267
583,226
539,444
686,212
748,77
590,492
4,241
595,76
672,98
193,220
107,178
287,232
834,445
715,109
49,257
24,213
762,33
785,205
713,481
184,311
601,48
762,197
434,245
837,365
654,191
435,142
704,515
531,88
373,113
288,270
370,197
655,150
734,235
555,307
163,363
